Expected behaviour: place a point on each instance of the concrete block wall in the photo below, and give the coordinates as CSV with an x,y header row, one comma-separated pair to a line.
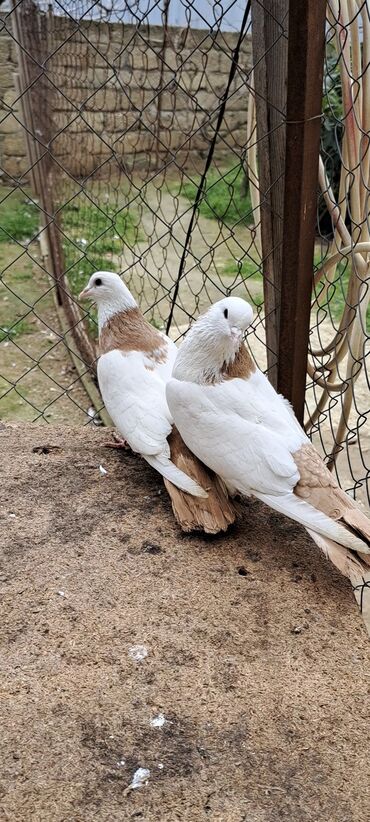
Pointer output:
x,y
107,102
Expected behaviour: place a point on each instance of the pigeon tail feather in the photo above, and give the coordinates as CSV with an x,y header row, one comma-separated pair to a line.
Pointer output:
x,y
211,514
295,508
350,566
170,472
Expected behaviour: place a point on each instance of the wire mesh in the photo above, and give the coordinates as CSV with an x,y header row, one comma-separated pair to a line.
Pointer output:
x,y
337,396
143,158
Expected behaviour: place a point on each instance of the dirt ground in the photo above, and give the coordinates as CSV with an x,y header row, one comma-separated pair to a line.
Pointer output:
x,y
256,653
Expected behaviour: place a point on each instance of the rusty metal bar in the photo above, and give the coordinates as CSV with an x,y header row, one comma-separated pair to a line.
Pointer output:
x,y
304,98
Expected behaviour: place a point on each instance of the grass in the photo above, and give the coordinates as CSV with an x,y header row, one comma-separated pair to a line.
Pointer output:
x,y
333,303
22,284
246,269
224,198
93,238
250,271
15,330
19,217
18,292
98,231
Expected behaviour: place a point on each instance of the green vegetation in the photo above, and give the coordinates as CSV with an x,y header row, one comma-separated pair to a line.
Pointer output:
x,y
18,292
225,196
333,302
93,237
19,217
98,230
16,329
250,271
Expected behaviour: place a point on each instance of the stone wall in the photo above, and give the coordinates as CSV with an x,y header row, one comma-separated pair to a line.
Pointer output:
x,y
13,159
106,106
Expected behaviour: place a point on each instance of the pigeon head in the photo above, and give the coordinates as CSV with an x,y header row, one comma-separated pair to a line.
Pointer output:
x,y
214,340
229,319
110,294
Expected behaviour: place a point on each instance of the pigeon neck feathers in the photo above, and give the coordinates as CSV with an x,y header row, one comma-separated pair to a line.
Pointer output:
x,y
129,331
204,358
119,302
241,367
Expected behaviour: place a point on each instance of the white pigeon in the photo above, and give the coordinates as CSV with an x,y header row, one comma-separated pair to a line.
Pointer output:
x,y
135,362
230,416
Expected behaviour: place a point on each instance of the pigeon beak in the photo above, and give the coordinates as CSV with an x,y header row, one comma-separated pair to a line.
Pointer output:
x,y
236,334
85,294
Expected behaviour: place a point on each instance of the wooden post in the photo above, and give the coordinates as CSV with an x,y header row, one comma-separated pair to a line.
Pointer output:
x,y
304,99
288,39
270,60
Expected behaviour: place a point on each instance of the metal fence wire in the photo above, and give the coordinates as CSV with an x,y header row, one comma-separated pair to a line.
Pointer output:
x,y
153,139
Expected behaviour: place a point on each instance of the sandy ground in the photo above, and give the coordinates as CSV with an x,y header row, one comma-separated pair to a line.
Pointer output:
x,y
256,653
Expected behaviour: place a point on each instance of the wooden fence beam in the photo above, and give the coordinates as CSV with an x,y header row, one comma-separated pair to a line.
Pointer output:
x,y
270,61
304,98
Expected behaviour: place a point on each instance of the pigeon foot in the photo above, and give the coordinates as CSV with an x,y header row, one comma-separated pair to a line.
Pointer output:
x,y
119,442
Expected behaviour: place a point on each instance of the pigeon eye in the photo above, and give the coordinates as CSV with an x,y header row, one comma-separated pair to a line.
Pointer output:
x,y
98,281
226,313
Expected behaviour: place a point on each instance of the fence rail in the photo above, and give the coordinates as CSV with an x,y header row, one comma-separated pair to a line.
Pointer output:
x,y
186,158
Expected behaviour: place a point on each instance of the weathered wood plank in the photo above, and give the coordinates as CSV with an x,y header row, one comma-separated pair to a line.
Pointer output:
x,y
270,60
304,99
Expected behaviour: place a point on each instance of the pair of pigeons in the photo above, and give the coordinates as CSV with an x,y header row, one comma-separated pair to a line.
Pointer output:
x,y
208,420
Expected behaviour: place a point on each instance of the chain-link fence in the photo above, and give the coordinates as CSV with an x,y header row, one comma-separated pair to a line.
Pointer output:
x,y
337,396
157,140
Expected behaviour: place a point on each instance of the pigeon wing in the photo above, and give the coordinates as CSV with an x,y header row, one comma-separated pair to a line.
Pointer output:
x,y
249,456
135,400
244,453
